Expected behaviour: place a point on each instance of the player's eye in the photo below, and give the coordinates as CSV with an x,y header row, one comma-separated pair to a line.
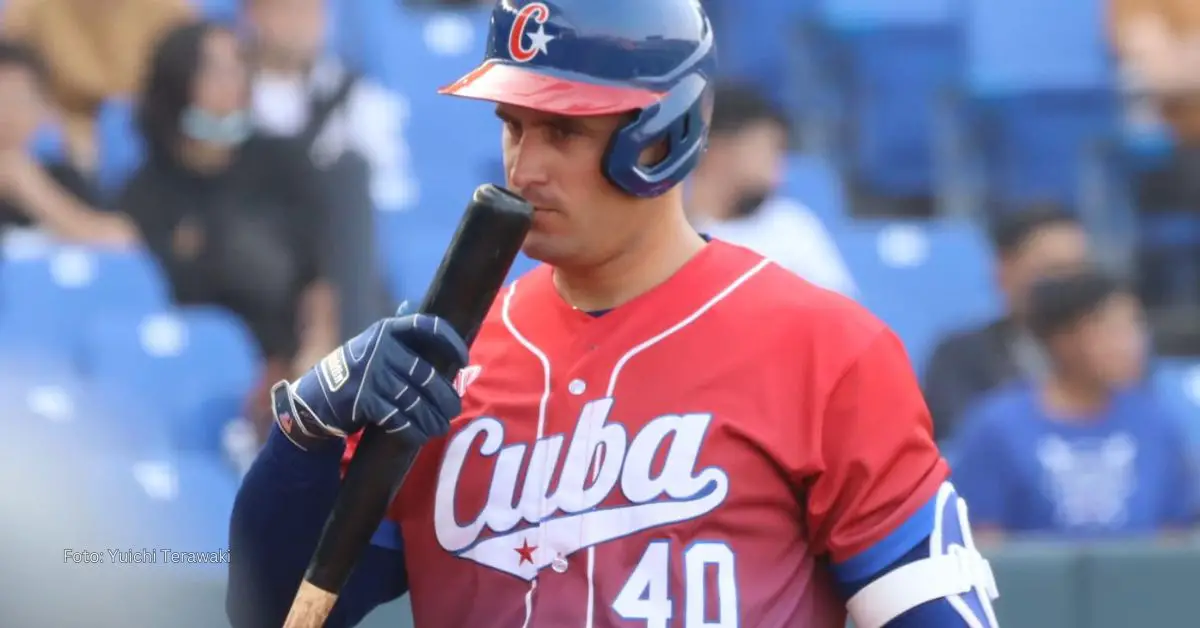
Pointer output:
x,y
562,133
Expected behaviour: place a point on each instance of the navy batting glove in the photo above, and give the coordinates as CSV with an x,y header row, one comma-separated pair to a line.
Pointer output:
x,y
376,378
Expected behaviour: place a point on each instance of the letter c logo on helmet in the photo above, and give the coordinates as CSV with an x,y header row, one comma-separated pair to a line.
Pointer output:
x,y
655,59
539,13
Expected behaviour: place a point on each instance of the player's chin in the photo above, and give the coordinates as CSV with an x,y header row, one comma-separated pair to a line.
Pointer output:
x,y
546,247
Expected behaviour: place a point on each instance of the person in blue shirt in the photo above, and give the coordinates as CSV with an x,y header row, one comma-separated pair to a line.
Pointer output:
x,y
1086,452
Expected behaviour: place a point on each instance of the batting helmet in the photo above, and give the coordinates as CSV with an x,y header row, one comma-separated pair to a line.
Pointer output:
x,y
600,57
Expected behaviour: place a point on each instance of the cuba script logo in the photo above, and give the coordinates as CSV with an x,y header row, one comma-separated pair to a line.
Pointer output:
x,y
600,458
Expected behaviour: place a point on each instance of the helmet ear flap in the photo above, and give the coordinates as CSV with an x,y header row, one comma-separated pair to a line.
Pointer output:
x,y
679,120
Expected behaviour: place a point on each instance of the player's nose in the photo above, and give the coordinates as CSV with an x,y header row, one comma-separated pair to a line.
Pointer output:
x,y
527,166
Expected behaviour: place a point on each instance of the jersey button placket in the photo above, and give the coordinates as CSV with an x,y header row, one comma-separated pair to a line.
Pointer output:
x,y
568,405
577,387
556,405
547,471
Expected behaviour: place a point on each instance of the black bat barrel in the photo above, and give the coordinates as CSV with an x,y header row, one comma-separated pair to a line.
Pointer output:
x,y
473,270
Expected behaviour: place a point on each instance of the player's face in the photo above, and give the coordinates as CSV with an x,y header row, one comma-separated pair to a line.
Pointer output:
x,y
21,106
221,86
1113,341
1051,250
580,219
291,29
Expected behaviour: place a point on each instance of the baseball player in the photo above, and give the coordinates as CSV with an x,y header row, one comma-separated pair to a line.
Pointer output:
x,y
652,428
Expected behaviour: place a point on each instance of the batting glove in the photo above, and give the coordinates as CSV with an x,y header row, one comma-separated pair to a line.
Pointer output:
x,y
376,378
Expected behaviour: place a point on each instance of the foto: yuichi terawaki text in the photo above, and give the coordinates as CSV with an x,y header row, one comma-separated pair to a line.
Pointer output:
x,y
143,556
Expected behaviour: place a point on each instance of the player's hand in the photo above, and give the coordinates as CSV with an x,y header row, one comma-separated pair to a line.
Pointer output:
x,y
376,378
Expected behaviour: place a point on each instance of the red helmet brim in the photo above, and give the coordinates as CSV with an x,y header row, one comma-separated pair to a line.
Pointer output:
x,y
527,87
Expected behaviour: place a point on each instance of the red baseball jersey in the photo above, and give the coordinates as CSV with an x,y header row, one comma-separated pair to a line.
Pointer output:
x,y
697,457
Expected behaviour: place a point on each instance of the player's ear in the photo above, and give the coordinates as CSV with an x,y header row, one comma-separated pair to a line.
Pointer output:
x,y
658,152
654,154
706,107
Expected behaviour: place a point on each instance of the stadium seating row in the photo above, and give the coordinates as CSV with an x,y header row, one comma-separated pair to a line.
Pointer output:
x,y
107,314
126,397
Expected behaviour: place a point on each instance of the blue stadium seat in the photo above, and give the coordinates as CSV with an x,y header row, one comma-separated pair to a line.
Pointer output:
x,y
48,406
48,144
50,294
900,59
814,182
850,16
411,50
39,354
218,10
1009,53
923,279
1036,148
444,184
413,249
181,502
190,503
753,38
414,254
414,53
194,366
1043,88
1177,383
121,148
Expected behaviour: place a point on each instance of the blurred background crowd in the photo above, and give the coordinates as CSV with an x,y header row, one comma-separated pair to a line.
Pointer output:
x,y
201,197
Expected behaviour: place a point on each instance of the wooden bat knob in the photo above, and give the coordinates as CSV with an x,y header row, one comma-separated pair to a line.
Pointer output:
x,y
311,607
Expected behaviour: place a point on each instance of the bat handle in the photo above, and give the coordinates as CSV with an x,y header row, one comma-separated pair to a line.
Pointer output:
x,y
379,455
311,607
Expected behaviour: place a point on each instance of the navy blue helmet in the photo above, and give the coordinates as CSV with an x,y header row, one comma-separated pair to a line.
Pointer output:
x,y
602,57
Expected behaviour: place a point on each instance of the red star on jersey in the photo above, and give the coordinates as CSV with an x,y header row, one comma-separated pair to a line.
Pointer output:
x,y
526,552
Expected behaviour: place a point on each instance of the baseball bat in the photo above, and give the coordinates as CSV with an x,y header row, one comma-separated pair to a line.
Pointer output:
x,y
472,271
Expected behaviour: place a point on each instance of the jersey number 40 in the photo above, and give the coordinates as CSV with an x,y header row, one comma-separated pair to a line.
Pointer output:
x,y
646,595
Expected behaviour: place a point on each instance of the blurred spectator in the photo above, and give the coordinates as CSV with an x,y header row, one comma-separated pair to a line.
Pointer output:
x,y
232,222
347,125
731,195
967,364
55,196
1085,451
1158,45
95,50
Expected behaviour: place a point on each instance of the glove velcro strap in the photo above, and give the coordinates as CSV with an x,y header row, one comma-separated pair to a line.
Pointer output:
x,y
292,420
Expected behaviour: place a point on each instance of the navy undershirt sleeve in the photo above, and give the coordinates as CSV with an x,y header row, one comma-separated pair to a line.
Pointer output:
x,y
278,516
